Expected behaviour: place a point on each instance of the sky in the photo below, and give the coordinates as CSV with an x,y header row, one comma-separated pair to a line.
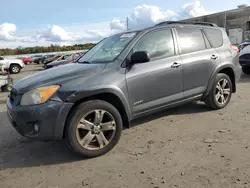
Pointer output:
x,y
25,23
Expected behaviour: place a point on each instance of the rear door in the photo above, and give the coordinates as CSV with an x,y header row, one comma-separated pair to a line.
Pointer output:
x,y
199,60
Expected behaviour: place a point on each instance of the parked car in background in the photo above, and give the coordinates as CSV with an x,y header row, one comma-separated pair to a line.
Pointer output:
x,y
63,57
27,60
53,58
14,66
40,59
70,59
37,58
48,56
244,44
245,59
124,77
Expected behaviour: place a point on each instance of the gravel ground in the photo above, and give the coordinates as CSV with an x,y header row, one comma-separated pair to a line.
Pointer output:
x,y
189,147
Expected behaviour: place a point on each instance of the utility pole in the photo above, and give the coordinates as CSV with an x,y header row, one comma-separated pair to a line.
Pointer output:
x,y
127,23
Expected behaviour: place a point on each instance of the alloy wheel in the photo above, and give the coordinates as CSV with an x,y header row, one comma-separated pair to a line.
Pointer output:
x,y
15,69
96,130
222,92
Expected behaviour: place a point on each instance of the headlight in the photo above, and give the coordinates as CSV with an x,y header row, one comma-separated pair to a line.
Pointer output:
x,y
38,95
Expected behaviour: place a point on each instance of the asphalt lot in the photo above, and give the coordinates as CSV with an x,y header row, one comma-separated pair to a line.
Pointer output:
x,y
189,147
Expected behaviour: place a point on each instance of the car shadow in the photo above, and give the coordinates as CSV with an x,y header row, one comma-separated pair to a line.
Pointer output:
x,y
19,152
30,153
190,108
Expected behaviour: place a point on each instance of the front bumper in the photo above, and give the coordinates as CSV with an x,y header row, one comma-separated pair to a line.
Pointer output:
x,y
50,118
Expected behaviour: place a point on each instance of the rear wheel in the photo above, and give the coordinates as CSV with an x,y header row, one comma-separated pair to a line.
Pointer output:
x,y
221,92
94,128
246,70
15,69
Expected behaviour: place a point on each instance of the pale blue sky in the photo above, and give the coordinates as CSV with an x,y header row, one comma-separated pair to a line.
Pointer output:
x,y
32,16
35,13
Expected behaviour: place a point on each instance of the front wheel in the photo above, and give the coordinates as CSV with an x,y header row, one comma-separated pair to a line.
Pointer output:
x,y
246,70
221,92
15,69
94,128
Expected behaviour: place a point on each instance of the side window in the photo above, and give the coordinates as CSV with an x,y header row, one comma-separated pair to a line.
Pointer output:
x,y
1,58
215,35
190,40
157,43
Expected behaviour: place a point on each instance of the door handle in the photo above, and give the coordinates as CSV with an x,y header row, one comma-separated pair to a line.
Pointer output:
x,y
175,65
214,57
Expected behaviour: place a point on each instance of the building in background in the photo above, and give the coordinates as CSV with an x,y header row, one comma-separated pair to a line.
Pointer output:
x,y
236,22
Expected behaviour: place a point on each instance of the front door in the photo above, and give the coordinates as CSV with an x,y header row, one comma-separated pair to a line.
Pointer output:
x,y
159,82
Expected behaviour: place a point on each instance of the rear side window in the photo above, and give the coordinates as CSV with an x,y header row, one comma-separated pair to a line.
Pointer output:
x,y
215,36
190,40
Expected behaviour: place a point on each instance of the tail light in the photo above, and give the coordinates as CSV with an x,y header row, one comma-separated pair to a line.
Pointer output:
x,y
235,48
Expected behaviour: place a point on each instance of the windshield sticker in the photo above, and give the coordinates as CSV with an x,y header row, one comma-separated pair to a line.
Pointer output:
x,y
128,35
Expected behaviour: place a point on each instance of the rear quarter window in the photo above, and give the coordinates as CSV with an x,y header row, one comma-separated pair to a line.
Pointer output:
x,y
215,36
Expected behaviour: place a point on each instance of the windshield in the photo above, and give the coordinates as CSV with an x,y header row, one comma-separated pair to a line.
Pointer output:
x,y
108,49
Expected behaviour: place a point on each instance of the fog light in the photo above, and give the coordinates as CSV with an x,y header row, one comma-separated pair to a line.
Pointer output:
x,y
36,128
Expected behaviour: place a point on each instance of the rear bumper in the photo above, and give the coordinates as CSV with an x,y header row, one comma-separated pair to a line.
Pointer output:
x,y
50,118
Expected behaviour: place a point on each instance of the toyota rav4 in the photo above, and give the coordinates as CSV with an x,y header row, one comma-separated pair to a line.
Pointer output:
x,y
124,77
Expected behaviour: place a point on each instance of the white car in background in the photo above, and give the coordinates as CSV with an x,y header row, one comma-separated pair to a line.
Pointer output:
x,y
14,66
245,59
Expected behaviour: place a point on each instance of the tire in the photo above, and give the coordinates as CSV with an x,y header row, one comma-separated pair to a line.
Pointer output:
x,y
216,91
15,69
6,88
246,70
89,110
40,62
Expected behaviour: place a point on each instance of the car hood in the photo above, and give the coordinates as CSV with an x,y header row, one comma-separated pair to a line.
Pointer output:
x,y
57,75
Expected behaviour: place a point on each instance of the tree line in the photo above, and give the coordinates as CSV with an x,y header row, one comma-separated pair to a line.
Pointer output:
x,y
43,49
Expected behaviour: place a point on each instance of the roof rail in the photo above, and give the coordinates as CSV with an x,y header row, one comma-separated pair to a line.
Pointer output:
x,y
189,23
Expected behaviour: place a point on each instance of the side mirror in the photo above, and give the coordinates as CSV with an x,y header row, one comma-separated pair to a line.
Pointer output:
x,y
140,57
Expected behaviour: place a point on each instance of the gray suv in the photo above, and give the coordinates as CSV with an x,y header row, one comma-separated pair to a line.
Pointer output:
x,y
124,77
